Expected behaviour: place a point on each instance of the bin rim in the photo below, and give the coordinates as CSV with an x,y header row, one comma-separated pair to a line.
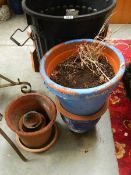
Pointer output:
x,y
51,17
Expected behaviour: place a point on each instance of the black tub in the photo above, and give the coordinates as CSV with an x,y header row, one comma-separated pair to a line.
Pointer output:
x,y
55,21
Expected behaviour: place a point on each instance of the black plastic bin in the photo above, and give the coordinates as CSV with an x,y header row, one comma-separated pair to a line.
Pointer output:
x,y
52,21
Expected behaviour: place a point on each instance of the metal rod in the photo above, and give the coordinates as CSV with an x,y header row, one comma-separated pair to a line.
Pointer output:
x,y
1,116
25,86
13,145
17,42
7,79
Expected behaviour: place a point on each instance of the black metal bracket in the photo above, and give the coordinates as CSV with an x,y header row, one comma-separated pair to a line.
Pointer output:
x,y
15,41
5,136
25,86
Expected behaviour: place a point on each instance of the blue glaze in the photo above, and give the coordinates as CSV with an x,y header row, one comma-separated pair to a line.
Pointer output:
x,y
79,126
75,40
16,6
84,101
83,105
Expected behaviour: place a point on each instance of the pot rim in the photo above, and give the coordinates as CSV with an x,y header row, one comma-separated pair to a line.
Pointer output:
x,y
72,116
89,91
22,133
97,14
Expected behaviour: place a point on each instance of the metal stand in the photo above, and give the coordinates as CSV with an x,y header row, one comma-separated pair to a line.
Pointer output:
x,y
25,86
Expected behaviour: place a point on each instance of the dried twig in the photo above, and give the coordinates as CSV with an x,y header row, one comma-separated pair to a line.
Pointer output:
x,y
90,53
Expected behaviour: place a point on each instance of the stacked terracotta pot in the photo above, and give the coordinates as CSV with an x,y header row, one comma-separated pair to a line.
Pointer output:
x,y
32,118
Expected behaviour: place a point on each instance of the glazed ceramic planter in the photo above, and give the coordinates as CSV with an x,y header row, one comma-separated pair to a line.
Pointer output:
x,y
81,101
80,124
23,105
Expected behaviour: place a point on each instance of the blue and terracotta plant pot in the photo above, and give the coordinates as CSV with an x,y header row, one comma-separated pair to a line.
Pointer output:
x,y
81,101
80,124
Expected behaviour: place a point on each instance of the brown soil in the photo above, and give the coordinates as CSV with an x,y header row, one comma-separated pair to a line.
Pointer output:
x,y
71,74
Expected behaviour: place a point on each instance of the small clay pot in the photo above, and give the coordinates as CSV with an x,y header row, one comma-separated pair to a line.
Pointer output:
x,y
80,124
45,147
24,104
32,121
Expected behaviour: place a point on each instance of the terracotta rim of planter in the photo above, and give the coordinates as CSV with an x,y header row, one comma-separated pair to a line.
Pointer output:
x,y
78,117
38,150
22,133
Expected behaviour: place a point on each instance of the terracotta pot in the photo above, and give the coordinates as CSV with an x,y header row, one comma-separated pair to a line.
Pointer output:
x,y
24,104
80,124
81,101
32,121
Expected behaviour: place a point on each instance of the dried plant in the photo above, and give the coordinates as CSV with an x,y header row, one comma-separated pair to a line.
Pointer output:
x,y
89,53
88,56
